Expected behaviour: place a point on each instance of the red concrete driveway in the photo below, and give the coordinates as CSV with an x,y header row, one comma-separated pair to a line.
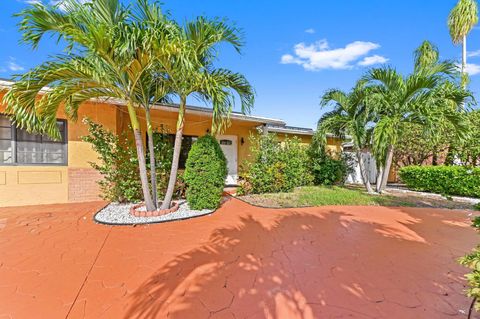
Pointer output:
x,y
241,262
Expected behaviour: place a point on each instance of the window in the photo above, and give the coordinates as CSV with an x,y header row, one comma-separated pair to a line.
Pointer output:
x,y
226,142
17,146
187,143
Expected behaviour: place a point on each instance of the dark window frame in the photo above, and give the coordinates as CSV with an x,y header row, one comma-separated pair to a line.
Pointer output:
x,y
14,145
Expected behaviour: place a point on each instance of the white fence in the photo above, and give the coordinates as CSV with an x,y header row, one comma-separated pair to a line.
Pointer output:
x,y
371,167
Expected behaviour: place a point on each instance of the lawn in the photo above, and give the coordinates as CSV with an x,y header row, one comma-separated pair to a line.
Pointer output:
x,y
337,195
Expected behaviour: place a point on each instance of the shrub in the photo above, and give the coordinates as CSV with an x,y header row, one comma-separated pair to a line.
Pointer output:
x,y
445,180
326,169
205,172
118,164
275,166
163,149
472,261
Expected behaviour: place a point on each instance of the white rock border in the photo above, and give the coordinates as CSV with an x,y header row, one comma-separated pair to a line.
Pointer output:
x,y
469,200
119,214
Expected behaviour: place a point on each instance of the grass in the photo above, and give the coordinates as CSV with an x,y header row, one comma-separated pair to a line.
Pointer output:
x,y
348,196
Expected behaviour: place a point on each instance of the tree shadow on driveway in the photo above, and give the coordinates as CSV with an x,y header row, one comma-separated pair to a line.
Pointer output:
x,y
316,263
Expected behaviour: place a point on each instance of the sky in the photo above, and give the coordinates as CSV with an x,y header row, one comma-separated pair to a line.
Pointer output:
x,y
294,50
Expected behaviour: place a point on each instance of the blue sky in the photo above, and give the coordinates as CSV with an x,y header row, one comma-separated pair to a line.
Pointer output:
x,y
295,50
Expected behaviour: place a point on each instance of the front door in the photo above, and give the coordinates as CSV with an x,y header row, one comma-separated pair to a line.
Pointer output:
x,y
228,143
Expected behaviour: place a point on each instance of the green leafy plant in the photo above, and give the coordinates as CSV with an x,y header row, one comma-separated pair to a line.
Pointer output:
x,y
466,151
117,163
325,168
163,151
445,180
472,261
275,166
205,172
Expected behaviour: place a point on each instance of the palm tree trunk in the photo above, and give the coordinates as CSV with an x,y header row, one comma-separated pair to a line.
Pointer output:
x,y
386,169
364,173
141,157
378,183
151,150
464,61
176,155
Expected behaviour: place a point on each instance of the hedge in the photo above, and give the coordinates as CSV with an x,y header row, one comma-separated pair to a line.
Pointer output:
x,y
275,166
205,172
445,180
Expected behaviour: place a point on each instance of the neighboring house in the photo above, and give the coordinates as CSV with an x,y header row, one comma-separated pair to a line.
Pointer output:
x,y
37,170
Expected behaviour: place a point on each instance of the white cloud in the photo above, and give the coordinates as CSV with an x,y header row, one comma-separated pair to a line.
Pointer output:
x,y
472,69
374,59
62,6
311,31
30,1
473,53
319,55
12,65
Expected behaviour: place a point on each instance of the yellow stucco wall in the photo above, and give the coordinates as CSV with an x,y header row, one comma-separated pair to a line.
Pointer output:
x,y
39,184
27,185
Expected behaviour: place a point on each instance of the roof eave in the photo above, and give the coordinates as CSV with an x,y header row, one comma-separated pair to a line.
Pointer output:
x,y
5,84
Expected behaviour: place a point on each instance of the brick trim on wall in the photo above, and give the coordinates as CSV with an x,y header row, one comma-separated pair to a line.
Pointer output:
x,y
82,184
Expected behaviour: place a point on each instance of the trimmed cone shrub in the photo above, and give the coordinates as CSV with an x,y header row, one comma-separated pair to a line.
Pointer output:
x,y
445,180
205,172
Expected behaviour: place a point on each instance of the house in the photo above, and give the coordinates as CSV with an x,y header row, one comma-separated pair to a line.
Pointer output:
x,y
36,170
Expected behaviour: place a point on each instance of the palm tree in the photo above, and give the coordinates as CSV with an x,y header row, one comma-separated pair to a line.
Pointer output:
x,y
350,116
418,98
462,18
425,55
194,74
103,62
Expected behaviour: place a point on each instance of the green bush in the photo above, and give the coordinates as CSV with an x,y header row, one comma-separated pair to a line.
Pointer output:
x,y
205,172
326,169
117,163
445,180
275,166
163,149
472,261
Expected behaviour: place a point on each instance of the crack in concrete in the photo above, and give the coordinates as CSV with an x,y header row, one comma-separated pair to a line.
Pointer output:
x,y
88,273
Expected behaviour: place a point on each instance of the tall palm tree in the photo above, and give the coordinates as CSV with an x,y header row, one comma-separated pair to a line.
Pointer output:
x,y
462,19
412,99
103,62
194,74
350,116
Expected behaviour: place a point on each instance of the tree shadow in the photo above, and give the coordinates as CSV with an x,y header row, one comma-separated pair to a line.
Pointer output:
x,y
304,265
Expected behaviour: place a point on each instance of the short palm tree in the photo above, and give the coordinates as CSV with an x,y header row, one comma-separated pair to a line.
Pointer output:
x,y
350,116
103,62
462,19
413,99
194,74
425,55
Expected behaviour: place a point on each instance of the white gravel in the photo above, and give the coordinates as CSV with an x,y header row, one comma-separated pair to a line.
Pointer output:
x,y
119,214
469,200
